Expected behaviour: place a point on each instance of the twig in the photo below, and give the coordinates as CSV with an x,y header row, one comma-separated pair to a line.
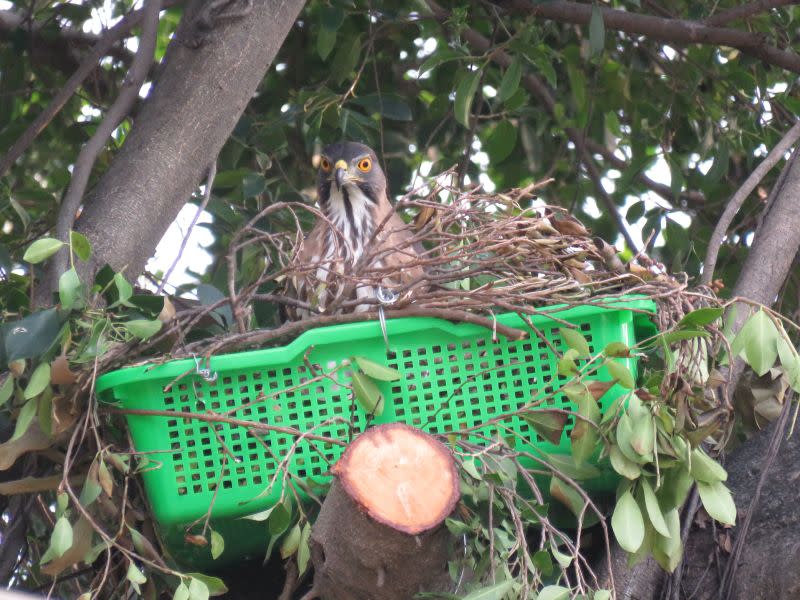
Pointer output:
x,y
745,11
89,64
212,172
677,31
736,201
118,111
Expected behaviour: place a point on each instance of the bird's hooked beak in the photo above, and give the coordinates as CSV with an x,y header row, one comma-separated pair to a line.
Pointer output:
x,y
340,175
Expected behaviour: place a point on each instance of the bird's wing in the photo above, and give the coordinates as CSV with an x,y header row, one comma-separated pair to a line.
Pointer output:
x,y
399,252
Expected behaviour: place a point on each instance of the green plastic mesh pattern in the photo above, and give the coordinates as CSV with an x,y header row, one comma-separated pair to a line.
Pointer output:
x,y
452,376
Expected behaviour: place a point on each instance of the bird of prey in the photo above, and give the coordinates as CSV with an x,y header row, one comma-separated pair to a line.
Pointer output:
x,y
361,244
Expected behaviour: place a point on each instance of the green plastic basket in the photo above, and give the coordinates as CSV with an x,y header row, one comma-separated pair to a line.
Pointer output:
x,y
452,376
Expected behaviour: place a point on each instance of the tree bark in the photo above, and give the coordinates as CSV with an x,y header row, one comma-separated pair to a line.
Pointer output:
x,y
189,114
379,535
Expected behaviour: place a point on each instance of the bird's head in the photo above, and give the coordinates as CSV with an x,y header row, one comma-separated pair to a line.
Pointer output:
x,y
350,167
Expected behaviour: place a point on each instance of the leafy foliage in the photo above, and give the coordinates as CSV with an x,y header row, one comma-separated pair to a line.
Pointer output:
x,y
421,92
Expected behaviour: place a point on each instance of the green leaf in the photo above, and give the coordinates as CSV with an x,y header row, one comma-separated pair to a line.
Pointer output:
x,y
627,523
597,31
331,17
181,592
471,469
621,373
441,56
721,163
279,519
40,378
6,389
217,544
261,515
543,563
304,550
706,469
759,340
41,250
643,435
717,501
25,418
670,337
566,465
617,350
346,59
198,590
567,495
91,491
367,394
700,317
623,465
602,595
389,106
143,328
292,542
60,540
69,288
668,550
584,435
575,340
653,509
465,93
493,592
501,142
377,370
80,245
124,289
253,184
510,82
547,423
326,40
553,592
215,585
134,575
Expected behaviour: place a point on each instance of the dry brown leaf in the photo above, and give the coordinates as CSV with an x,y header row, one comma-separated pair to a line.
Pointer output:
x,y
105,479
195,539
64,414
28,485
598,388
168,312
32,439
60,373
568,225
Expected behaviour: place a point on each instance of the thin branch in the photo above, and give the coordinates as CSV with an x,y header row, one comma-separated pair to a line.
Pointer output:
x,y
745,11
103,46
676,31
538,88
212,172
118,111
736,201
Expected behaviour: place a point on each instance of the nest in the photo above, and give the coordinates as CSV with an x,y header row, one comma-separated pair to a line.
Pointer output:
x,y
481,253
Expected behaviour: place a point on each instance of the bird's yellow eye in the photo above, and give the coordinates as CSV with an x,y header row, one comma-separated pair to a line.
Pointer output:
x,y
365,165
325,164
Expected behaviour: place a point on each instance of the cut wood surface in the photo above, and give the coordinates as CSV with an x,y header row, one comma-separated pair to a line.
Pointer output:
x,y
401,477
379,534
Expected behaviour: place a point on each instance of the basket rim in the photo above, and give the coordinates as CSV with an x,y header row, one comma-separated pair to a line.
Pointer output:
x,y
351,332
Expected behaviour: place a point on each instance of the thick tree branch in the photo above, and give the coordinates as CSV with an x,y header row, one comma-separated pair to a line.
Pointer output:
x,y
745,11
118,111
736,201
189,114
675,31
103,46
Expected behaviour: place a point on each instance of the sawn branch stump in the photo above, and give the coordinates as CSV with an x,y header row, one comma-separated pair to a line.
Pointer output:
x,y
379,535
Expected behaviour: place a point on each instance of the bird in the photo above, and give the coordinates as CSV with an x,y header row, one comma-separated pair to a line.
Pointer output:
x,y
360,248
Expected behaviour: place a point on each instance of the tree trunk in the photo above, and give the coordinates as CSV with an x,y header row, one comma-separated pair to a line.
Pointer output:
x,y
190,113
379,535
